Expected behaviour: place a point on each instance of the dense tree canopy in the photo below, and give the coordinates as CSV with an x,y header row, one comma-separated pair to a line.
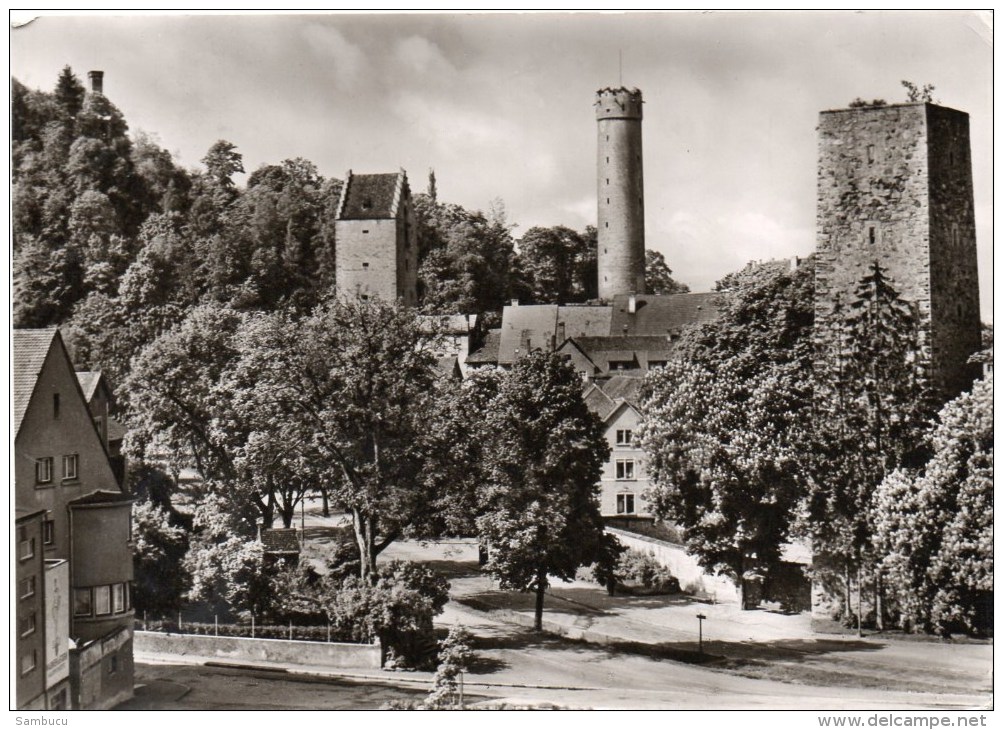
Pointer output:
x,y
933,527
726,421
538,507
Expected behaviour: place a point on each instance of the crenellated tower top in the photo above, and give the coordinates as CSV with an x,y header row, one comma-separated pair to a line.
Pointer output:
x,y
619,103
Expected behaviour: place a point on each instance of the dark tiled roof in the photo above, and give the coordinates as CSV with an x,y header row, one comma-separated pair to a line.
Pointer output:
x,y
28,351
486,354
623,388
539,325
663,314
100,496
598,402
526,324
280,540
88,382
370,196
621,343
584,321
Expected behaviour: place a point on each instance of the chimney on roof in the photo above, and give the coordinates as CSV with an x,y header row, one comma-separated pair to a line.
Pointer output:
x,y
795,262
632,304
97,81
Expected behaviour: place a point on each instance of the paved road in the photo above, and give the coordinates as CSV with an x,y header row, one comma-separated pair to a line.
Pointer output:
x,y
195,687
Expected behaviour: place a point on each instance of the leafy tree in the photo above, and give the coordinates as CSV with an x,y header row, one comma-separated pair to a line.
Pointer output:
x,y
917,93
872,409
227,565
560,264
46,282
173,390
933,528
356,378
222,162
658,275
69,93
158,550
539,503
727,419
466,258
455,657
397,606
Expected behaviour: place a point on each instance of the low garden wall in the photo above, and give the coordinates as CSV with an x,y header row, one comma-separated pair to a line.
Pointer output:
x,y
692,578
278,651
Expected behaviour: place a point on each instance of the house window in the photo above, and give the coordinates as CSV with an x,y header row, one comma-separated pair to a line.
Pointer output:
x,y
82,605
43,470
29,661
26,626
365,264
55,405
102,600
70,463
48,532
624,437
59,701
625,469
625,504
118,597
26,587
365,230
25,544
652,364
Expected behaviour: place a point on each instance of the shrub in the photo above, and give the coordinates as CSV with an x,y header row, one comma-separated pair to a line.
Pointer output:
x,y
455,657
635,572
398,609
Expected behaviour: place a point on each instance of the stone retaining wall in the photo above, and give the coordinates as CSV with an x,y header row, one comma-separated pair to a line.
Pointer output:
x,y
692,578
279,651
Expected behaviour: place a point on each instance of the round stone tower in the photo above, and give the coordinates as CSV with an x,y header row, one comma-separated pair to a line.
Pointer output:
x,y
621,193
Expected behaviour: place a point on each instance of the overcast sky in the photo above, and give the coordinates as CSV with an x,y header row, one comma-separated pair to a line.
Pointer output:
x,y
501,105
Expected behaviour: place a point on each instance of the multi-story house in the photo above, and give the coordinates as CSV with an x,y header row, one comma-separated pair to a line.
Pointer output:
x,y
65,487
624,479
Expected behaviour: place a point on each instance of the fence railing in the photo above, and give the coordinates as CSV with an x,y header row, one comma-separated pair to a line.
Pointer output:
x,y
253,630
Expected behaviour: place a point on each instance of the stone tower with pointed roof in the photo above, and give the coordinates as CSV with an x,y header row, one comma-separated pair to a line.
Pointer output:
x,y
376,239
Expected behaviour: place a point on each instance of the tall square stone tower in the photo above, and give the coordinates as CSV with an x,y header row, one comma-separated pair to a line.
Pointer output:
x,y
895,187
376,238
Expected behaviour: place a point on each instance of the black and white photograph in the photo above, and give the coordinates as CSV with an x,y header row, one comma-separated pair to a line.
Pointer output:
x,y
455,360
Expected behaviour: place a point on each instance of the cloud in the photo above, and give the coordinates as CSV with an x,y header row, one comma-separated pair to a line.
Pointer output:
x,y
348,62
422,57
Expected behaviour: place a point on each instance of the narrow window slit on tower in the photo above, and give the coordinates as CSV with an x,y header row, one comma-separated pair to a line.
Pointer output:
x,y
871,234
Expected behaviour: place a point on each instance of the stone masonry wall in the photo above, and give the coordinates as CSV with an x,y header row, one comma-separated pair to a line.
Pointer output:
x,y
893,183
954,275
367,258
